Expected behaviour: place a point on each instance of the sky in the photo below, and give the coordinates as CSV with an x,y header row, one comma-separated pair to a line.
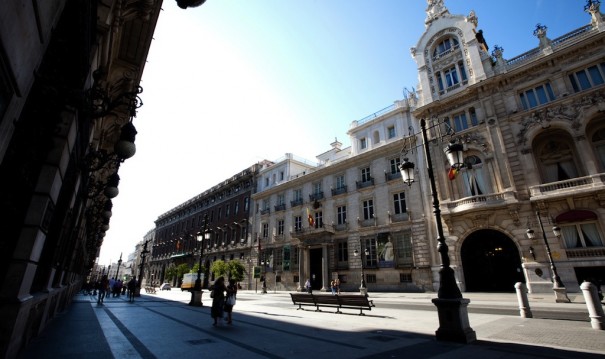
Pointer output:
x,y
233,82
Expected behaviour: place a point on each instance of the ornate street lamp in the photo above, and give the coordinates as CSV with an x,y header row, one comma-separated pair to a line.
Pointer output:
x,y
119,264
451,307
558,287
196,294
363,290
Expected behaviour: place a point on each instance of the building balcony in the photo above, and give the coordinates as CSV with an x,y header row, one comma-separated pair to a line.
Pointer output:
x,y
585,252
280,207
574,186
316,196
312,231
340,190
296,202
265,211
364,184
392,176
487,200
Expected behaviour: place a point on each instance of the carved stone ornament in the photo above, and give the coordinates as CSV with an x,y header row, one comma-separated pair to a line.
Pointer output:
x,y
570,112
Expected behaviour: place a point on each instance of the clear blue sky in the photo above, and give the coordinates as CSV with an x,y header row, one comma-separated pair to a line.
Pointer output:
x,y
233,82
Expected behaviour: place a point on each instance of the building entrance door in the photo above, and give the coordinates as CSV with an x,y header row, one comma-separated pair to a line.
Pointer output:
x,y
491,262
316,268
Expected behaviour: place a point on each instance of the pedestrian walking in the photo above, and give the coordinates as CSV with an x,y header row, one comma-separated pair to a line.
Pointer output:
x,y
103,285
333,287
132,284
230,300
337,285
308,286
218,300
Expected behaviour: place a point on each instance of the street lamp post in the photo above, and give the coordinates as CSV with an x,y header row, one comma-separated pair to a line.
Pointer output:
x,y
363,290
558,287
451,307
118,270
196,293
144,252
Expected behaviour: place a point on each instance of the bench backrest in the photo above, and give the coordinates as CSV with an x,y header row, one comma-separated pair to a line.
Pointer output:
x,y
326,299
353,300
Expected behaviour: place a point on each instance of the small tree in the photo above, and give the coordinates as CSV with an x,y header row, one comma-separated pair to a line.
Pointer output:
x,y
171,272
181,270
231,270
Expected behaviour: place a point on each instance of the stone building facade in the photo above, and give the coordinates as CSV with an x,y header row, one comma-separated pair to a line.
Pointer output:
x,y
69,90
532,132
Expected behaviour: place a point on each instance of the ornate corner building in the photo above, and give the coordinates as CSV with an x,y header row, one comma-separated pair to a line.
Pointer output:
x,y
69,92
532,131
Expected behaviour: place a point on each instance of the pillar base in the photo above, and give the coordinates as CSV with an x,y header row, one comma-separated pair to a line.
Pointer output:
x,y
196,298
561,295
363,291
453,321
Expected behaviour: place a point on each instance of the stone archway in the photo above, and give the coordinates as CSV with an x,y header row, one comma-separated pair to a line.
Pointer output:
x,y
491,262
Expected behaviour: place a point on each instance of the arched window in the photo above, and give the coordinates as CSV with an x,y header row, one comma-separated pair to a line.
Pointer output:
x,y
474,178
579,229
555,156
598,143
445,47
376,137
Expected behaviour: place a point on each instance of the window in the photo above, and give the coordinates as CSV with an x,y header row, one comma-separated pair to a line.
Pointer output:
x,y
341,214
473,177
246,204
281,175
368,209
363,143
365,174
581,235
391,132
220,213
227,209
340,182
267,182
278,259
536,96
265,230
280,227
403,247
444,47
297,223
235,207
319,222
371,260
587,78
556,159
281,199
343,252
451,76
317,188
598,143
286,258
399,203
405,277
298,194
460,122
395,163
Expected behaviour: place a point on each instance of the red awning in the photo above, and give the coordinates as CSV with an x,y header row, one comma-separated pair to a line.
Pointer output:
x,y
576,215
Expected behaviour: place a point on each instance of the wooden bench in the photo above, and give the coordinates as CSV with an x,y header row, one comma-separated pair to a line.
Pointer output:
x,y
346,301
352,301
301,299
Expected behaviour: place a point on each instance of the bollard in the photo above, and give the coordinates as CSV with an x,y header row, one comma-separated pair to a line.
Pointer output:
x,y
524,309
595,310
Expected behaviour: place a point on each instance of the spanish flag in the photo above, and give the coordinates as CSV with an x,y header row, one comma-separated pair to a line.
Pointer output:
x,y
310,218
452,173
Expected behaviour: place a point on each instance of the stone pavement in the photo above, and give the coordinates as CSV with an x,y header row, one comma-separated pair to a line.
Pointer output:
x,y
268,325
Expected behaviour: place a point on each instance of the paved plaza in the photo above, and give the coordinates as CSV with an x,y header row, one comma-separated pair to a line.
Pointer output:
x,y
402,325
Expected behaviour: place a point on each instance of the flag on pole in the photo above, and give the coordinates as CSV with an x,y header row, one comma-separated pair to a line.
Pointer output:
x,y
310,218
452,173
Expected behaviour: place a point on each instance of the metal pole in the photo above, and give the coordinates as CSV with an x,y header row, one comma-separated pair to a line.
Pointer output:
x,y
448,289
555,276
451,307
362,288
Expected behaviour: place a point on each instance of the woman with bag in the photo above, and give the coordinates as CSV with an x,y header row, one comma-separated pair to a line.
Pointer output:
x,y
230,301
218,300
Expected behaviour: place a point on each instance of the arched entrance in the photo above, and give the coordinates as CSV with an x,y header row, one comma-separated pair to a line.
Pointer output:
x,y
491,262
